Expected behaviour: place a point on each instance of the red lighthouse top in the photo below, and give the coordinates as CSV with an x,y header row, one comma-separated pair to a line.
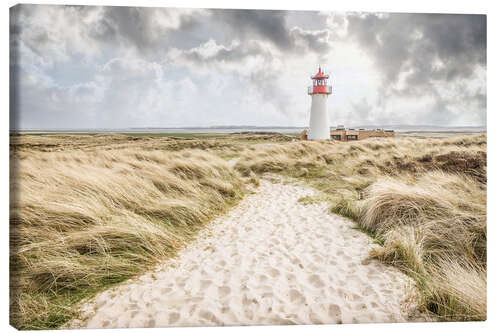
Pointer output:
x,y
320,86
320,75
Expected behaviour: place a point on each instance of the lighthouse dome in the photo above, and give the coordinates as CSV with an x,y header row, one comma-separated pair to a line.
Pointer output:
x,y
319,75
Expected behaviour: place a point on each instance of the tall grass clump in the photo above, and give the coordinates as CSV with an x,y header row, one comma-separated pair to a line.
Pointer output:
x,y
84,220
434,229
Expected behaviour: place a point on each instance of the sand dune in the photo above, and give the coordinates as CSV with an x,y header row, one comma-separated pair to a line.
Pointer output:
x,y
270,260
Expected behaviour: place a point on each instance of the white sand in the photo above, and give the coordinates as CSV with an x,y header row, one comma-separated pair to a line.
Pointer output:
x,y
270,260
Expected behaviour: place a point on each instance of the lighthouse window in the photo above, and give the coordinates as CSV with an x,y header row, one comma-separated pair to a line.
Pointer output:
x,y
336,137
352,137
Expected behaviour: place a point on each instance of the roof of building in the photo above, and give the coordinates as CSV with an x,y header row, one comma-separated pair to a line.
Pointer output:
x,y
320,75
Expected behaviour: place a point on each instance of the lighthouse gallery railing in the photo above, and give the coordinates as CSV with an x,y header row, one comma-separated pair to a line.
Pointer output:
x,y
319,89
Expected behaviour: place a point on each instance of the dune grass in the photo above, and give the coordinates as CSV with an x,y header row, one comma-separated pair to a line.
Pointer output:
x,y
423,201
435,231
88,212
84,220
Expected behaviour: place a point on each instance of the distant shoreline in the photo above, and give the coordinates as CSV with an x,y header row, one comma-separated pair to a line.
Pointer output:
x,y
407,129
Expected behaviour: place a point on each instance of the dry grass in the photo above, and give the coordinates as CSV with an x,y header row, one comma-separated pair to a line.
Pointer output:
x,y
91,211
220,143
424,200
434,230
83,220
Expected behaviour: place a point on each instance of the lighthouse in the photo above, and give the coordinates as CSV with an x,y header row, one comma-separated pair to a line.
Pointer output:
x,y
319,126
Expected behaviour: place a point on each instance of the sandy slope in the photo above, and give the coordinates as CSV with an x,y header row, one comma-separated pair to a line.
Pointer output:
x,y
271,260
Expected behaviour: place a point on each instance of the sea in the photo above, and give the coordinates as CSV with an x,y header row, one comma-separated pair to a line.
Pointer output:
x,y
237,129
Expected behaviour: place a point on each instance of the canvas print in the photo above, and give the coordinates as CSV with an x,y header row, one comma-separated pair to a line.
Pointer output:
x,y
216,167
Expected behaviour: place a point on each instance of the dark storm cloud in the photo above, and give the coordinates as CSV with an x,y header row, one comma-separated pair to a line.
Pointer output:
x,y
427,55
272,26
261,24
133,25
138,27
316,40
145,30
427,46
141,30
254,28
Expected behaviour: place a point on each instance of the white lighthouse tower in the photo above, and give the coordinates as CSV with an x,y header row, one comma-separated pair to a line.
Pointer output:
x,y
319,126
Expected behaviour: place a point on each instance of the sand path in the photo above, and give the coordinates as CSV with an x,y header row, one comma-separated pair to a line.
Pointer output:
x,y
270,260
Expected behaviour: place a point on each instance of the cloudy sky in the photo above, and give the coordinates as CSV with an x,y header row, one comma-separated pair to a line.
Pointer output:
x,y
116,67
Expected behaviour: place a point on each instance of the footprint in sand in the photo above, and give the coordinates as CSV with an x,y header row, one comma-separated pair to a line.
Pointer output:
x,y
316,281
273,272
314,318
368,291
334,311
204,284
192,309
296,297
224,291
173,317
209,316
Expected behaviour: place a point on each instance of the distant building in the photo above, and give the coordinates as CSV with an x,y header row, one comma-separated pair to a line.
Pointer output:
x,y
359,134
342,134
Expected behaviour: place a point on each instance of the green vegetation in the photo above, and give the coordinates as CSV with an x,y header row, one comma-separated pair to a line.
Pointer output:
x,y
90,211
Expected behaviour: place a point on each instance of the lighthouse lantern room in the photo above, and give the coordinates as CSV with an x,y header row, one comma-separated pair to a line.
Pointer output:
x,y
319,126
